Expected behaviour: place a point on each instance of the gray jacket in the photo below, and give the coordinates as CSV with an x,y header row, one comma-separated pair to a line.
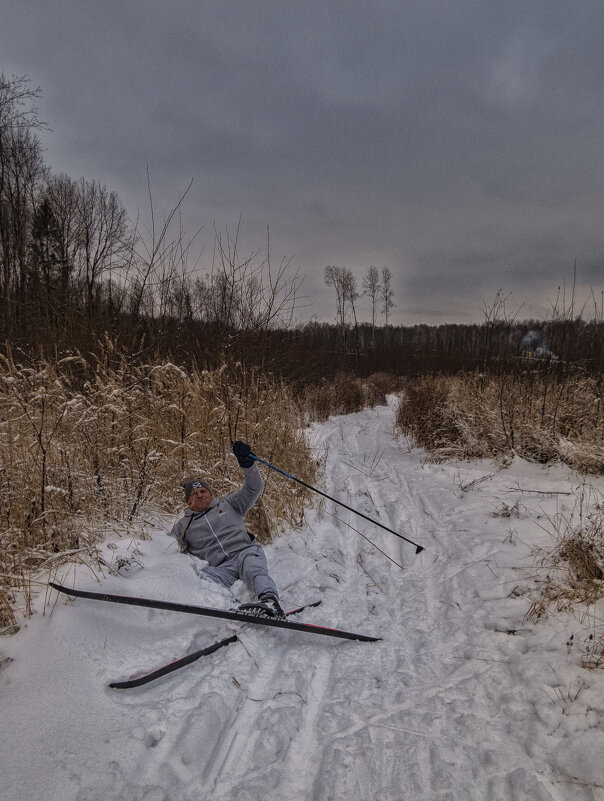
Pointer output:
x,y
219,533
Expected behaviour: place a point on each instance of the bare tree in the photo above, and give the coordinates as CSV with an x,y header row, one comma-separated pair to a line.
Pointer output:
x,y
387,293
352,295
160,255
334,277
345,285
45,260
55,243
105,239
372,288
17,104
249,293
21,170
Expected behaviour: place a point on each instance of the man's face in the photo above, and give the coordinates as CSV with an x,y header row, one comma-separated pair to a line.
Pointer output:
x,y
200,499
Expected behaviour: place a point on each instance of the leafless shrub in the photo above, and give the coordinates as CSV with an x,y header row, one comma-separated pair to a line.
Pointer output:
x,y
345,394
505,510
382,384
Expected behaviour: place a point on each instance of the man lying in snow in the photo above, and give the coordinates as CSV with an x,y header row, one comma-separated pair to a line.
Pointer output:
x,y
213,529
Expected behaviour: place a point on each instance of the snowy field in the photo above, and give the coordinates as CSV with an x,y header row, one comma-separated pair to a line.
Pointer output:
x,y
463,700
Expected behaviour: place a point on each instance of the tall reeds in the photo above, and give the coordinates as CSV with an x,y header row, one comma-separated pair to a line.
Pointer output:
x,y
85,445
540,415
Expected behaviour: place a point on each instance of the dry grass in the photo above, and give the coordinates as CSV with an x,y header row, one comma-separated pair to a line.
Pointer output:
x,y
347,394
543,418
573,570
539,416
7,616
593,652
84,446
571,574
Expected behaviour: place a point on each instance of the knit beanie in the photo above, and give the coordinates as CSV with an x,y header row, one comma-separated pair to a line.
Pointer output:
x,y
192,484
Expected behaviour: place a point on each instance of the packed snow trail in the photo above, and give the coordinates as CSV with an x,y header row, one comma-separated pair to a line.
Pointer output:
x,y
461,701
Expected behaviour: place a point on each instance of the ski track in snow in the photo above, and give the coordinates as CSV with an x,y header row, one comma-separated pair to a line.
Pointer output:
x,y
462,700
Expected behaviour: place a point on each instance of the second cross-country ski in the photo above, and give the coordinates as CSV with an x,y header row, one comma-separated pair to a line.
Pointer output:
x,y
183,661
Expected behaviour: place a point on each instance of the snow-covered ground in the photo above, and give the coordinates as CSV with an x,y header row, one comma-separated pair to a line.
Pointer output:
x,y
462,700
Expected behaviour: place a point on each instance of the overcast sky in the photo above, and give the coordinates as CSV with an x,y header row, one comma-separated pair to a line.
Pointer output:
x,y
460,143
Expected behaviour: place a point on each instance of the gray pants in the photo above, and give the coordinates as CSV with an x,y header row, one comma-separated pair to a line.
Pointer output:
x,y
248,565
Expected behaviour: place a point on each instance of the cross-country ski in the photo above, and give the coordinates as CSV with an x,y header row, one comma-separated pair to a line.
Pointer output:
x,y
224,614
187,659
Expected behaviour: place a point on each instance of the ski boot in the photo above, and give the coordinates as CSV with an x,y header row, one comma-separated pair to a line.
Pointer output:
x,y
266,606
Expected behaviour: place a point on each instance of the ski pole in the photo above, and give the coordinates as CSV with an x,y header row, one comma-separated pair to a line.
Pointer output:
x,y
418,548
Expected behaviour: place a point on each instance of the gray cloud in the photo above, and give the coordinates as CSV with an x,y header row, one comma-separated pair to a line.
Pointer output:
x,y
459,144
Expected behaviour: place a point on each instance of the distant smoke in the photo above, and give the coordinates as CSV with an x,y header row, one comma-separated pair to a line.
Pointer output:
x,y
535,342
532,340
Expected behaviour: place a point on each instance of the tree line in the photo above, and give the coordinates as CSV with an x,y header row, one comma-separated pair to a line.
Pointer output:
x,y
553,345
59,238
74,267
74,270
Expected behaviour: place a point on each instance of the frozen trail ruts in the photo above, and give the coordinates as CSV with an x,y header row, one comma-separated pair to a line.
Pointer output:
x,y
448,706
400,718
414,717
409,718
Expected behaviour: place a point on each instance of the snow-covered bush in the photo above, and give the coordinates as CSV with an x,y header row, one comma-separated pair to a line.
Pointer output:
x,y
541,416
